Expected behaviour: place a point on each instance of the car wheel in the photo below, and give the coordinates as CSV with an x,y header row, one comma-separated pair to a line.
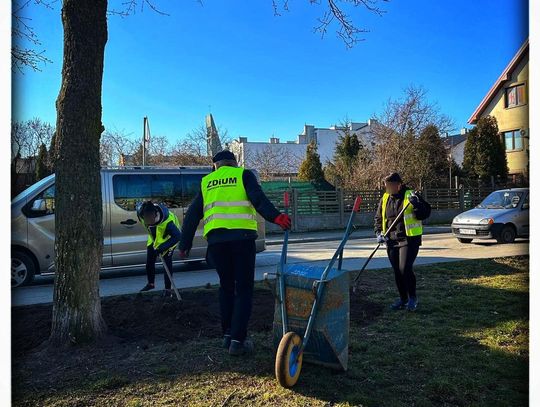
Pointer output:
x,y
22,269
507,234
463,240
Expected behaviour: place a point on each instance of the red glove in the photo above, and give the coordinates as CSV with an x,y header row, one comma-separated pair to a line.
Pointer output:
x,y
283,221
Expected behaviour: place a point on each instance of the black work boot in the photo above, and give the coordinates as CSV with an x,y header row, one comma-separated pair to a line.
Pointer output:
x,y
238,348
148,287
226,343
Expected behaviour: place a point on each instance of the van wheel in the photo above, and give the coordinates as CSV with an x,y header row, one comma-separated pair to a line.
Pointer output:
x,y
507,234
22,269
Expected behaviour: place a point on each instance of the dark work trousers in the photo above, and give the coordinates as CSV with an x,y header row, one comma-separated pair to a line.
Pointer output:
x,y
402,259
151,257
235,264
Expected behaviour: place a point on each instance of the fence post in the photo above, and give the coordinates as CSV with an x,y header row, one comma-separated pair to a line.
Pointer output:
x,y
341,206
461,198
295,210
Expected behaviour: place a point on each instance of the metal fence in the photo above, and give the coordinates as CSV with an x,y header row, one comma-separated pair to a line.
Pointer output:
x,y
339,201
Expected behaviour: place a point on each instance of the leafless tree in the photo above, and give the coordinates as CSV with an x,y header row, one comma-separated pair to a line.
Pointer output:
x,y
195,142
113,144
273,160
337,11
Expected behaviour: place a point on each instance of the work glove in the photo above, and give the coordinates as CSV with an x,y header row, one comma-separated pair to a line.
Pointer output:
x,y
283,221
381,239
414,199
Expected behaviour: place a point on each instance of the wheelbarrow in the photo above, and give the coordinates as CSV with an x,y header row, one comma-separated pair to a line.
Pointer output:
x,y
311,318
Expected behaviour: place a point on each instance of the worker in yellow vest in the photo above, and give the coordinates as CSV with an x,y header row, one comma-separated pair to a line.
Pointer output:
x,y
227,202
404,240
163,236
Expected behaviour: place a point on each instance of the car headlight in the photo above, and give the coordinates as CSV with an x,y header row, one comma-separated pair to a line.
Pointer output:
x,y
456,219
487,221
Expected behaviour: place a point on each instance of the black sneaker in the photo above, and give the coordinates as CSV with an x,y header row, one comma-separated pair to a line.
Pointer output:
x,y
226,343
399,304
148,287
238,348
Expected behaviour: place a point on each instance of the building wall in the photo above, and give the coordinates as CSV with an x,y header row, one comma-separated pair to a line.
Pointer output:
x,y
514,118
458,152
248,152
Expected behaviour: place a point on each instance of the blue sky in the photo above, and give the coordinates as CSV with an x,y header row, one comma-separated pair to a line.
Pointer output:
x,y
263,75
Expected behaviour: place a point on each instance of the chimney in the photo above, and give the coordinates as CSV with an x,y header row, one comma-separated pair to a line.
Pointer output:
x,y
464,131
274,140
242,139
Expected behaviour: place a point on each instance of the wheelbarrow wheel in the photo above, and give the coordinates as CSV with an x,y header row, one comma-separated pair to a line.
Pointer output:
x,y
288,364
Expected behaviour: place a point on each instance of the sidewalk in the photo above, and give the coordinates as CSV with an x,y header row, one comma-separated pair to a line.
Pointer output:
x,y
330,235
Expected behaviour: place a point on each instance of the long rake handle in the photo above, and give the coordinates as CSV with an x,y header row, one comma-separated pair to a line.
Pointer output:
x,y
400,215
178,296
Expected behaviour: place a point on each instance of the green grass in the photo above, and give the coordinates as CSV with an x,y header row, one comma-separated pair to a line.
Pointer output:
x,y
467,345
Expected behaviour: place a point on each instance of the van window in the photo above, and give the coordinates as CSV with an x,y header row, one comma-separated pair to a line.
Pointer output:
x,y
41,205
191,184
128,189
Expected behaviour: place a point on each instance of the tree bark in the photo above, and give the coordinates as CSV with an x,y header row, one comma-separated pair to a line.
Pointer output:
x,y
79,229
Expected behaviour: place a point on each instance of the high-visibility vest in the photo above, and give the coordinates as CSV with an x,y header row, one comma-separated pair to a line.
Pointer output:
x,y
225,201
413,226
161,230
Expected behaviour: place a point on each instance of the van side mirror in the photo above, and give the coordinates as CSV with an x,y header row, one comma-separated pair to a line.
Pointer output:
x,y
525,206
39,205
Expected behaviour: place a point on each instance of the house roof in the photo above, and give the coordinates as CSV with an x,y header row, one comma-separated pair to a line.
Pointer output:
x,y
452,141
505,76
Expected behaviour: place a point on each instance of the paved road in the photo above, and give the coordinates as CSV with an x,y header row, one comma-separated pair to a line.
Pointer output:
x,y
436,248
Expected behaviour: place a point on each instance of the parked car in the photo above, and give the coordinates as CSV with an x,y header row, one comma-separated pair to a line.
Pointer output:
x,y
502,215
124,238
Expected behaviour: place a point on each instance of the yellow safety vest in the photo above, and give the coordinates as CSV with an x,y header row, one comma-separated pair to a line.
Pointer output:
x,y
413,226
225,201
160,231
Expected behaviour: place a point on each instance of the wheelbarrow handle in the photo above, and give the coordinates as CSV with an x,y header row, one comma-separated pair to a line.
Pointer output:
x,y
280,276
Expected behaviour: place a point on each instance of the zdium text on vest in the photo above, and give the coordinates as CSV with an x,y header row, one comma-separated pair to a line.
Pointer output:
x,y
221,182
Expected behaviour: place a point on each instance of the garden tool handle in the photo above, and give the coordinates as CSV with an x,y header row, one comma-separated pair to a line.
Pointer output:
x,y
400,215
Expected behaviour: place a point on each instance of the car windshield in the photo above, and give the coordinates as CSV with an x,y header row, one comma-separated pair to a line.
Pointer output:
x,y
501,200
31,189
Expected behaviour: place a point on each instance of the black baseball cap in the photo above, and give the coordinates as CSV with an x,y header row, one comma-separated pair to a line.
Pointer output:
x,y
223,155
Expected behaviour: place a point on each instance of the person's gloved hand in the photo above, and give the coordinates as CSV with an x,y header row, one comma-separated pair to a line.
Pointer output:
x,y
184,254
381,239
414,200
283,221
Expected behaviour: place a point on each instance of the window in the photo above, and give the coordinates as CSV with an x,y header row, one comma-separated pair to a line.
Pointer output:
x,y
525,203
128,189
515,96
191,184
513,140
501,200
41,205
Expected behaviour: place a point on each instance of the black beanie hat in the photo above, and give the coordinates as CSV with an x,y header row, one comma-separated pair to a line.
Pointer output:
x,y
394,177
223,155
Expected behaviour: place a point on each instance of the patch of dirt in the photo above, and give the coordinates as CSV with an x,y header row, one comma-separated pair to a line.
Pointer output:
x,y
146,334
148,317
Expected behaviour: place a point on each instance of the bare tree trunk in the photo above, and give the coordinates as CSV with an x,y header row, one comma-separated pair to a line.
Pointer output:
x,y
79,231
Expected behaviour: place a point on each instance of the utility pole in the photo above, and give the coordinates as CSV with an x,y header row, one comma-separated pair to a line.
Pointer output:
x,y
146,139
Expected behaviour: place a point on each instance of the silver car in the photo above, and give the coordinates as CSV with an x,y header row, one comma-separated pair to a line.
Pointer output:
x,y
502,215
124,238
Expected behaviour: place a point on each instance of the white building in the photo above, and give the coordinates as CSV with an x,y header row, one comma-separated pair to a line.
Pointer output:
x,y
275,157
456,145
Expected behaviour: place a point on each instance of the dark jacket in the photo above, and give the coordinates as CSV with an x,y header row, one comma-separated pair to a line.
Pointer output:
x,y
394,205
171,229
195,213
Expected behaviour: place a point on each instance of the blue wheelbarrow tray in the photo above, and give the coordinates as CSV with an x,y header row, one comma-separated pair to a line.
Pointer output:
x,y
328,344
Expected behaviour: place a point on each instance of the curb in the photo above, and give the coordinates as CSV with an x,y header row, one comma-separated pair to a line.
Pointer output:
x,y
442,229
